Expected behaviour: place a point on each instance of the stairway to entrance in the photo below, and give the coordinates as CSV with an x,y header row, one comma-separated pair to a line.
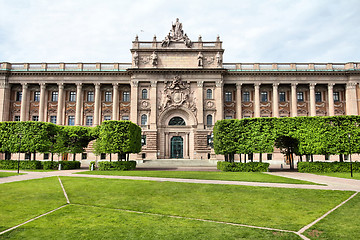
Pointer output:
x,y
173,163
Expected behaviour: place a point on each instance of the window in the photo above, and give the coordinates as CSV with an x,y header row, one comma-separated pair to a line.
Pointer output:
x,y
336,96
46,156
54,96
17,118
27,156
35,118
36,96
209,94
246,97
177,121
89,120
53,119
71,120
143,119
228,96
264,96
144,94
107,118
72,97
300,96
90,96
210,140
209,120
318,97
125,117
228,117
18,96
269,156
143,140
282,97
103,156
126,96
84,156
108,96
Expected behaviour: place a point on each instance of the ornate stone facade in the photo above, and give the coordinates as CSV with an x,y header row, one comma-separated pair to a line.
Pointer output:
x,y
175,90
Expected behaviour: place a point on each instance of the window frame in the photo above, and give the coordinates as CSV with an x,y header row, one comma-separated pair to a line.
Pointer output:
x,y
228,96
89,119
300,96
108,96
53,117
264,96
318,97
37,96
18,97
282,97
336,96
209,94
71,119
126,96
246,96
144,94
54,96
209,119
143,120
90,96
72,96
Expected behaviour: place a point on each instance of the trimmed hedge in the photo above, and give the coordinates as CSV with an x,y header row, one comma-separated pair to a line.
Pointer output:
x,y
13,164
327,167
242,167
119,166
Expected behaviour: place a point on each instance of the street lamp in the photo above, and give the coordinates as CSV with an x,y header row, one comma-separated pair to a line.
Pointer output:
x,y
18,169
351,171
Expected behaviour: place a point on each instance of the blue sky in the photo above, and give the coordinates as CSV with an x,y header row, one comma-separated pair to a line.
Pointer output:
x,y
251,30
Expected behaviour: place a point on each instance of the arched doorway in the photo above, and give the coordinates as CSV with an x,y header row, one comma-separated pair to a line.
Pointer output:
x,y
176,147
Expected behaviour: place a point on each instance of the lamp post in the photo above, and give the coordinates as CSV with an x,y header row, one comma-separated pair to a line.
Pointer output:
x,y
351,172
18,169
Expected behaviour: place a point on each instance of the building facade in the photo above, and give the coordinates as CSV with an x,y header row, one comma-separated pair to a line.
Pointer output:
x,y
175,89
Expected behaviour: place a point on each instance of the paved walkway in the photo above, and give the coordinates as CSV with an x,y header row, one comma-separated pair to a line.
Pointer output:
x,y
329,183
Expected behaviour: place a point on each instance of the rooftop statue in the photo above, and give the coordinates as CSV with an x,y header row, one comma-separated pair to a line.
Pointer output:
x,y
176,34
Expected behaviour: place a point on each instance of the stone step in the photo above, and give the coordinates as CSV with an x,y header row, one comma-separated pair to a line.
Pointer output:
x,y
176,163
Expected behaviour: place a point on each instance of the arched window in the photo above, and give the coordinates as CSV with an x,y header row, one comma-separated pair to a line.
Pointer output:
x,y
144,94
144,119
177,121
209,94
209,120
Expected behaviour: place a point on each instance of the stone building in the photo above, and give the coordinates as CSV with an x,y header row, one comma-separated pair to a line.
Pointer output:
x,y
175,89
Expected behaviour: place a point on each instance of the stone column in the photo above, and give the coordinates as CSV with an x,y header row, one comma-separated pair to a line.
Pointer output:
x,y
238,101
257,100
78,104
4,101
187,145
200,104
134,101
153,99
331,99
312,99
351,99
219,104
60,106
166,145
275,102
293,100
24,97
97,104
115,109
42,102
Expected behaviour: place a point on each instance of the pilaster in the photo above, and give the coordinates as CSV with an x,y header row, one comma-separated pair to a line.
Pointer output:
x,y
331,99
293,100
60,106
257,100
275,102
200,104
115,109
134,101
4,100
97,104
312,99
42,102
78,104
153,100
351,99
238,101
24,96
219,104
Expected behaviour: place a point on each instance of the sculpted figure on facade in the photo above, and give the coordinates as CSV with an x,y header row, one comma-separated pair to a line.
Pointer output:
x,y
154,59
200,59
176,34
218,59
136,59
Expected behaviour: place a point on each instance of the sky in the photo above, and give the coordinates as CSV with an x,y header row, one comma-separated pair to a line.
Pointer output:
x,y
252,31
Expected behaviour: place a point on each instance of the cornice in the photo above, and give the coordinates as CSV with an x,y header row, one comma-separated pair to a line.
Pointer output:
x,y
67,73
132,71
293,73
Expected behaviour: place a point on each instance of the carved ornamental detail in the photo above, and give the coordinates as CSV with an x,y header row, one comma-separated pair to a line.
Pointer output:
x,y
177,94
176,34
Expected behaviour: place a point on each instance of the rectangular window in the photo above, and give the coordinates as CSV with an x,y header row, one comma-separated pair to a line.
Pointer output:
x,y
27,156
103,156
107,118
300,96
84,156
35,118
336,96
53,119
246,97
17,118
18,96
143,140
71,120
89,120
269,156
108,97
228,117
209,94
46,156
126,96
318,97
90,96
125,118
72,96
264,96
36,96
282,97
228,96
54,96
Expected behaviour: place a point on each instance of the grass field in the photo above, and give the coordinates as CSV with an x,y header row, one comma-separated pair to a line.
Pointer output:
x,y
9,174
99,209
356,175
228,176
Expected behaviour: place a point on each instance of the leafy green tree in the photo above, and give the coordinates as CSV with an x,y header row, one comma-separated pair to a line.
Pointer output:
x,y
74,139
288,145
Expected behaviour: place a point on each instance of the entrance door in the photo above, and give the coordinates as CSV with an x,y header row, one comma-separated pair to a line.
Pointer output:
x,y
177,144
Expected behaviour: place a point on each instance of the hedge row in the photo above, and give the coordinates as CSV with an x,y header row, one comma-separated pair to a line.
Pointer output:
x,y
119,166
65,165
243,167
327,167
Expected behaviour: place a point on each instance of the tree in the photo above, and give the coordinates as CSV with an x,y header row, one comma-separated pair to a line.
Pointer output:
x,y
74,139
288,145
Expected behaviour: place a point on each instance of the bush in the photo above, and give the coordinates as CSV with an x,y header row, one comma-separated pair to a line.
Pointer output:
x,y
243,167
119,166
327,167
13,164
65,165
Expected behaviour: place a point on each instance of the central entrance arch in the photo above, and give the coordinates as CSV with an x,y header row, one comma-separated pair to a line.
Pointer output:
x,y
177,146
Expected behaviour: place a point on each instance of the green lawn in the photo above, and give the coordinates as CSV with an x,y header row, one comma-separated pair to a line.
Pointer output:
x,y
85,222
8,174
281,208
228,176
341,224
342,175
21,201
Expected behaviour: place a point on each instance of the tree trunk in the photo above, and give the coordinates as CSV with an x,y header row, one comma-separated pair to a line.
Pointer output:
x,y
52,157
34,155
110,157
127,156
312,158
260,159
240,157
245,158
341,158
74,157
300,158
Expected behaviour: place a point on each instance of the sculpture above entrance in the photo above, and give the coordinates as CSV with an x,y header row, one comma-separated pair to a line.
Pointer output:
x,y
176,34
